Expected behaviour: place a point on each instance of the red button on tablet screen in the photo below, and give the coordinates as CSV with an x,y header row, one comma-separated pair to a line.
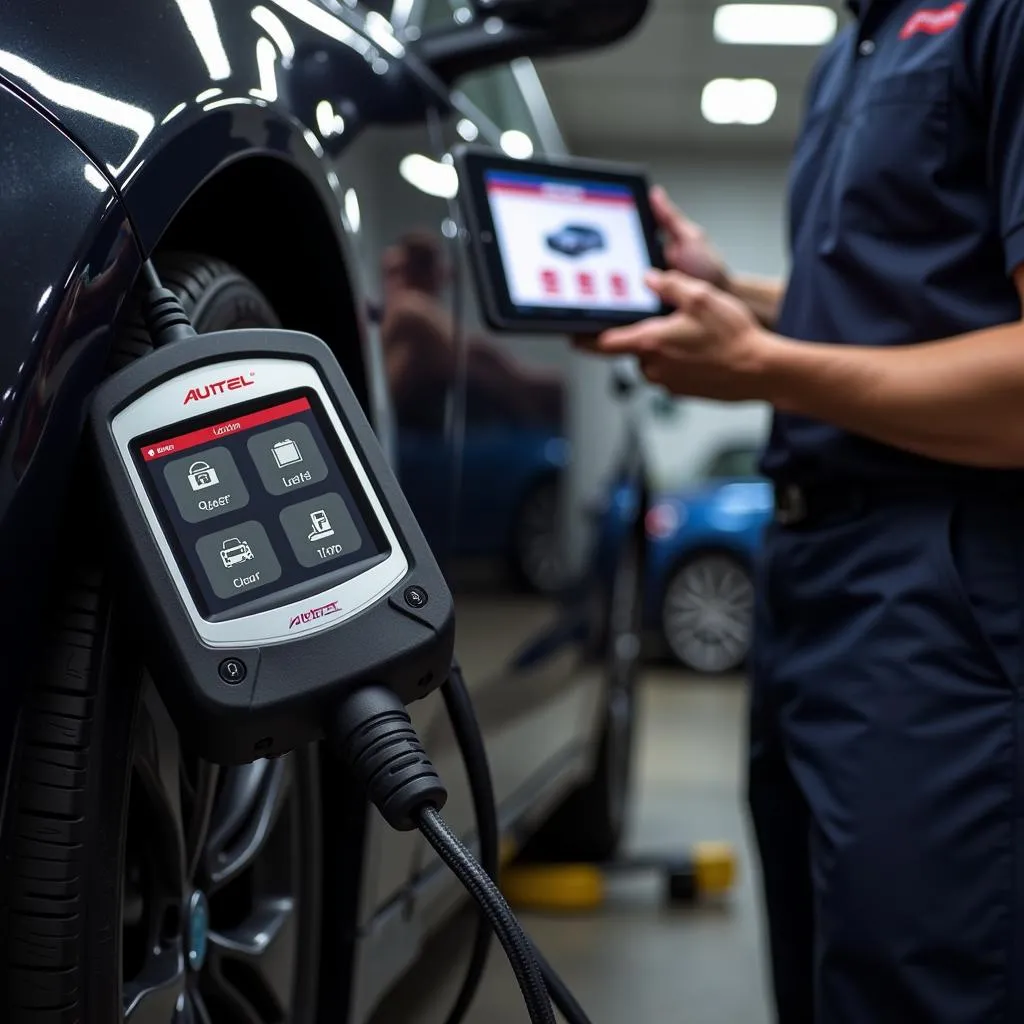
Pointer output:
x,y
586,283
619,286
549,282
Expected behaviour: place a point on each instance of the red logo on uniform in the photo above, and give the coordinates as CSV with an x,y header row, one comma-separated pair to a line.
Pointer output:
x,y
933,21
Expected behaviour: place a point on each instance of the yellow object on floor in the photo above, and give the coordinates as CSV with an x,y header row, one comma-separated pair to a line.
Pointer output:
x,y
554,887
715,868
707,870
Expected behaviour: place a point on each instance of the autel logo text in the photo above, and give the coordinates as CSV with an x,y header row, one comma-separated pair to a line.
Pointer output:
x,y
218,388
314,613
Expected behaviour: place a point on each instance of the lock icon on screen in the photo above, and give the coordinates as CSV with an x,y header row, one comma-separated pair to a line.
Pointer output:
x,y
202,475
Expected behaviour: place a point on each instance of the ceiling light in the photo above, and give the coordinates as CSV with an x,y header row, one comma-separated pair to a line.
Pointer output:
x,y
738,101
430,176
517,144
767,24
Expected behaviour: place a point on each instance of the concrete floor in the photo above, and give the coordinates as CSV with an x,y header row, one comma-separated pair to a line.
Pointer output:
x,y
636,961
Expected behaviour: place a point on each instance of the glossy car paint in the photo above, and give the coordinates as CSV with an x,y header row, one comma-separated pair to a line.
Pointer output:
x,y
271,134
59,293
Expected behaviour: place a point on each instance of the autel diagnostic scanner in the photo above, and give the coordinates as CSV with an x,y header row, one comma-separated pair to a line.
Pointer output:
x,y
285,592
278,558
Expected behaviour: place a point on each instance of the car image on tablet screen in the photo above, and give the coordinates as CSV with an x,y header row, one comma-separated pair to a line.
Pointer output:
x,y
576,240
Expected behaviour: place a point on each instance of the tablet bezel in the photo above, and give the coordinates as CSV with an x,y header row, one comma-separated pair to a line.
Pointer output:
x,y
500,312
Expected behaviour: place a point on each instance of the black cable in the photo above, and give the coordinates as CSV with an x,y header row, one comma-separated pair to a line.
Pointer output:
x,y
474,754
165,318
510,934
458,702
152,277
374,735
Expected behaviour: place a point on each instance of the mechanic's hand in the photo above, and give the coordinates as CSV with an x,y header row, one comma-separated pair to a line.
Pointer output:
x,y
712,347
686,250
686,246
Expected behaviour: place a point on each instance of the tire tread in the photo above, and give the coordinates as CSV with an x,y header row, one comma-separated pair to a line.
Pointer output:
x,y
41,910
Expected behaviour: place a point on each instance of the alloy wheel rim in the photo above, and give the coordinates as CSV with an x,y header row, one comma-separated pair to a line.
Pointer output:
x,y
210,893
708,614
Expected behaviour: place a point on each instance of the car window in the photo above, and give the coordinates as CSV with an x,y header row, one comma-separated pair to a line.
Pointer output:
x,y
732,462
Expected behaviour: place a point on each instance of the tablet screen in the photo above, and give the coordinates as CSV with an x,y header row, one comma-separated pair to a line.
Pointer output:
x,y
570,243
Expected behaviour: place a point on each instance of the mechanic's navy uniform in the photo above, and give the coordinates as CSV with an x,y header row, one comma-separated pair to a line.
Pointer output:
x,y
887,726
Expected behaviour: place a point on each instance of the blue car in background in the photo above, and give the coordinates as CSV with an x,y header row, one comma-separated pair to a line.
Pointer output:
x,y
702,542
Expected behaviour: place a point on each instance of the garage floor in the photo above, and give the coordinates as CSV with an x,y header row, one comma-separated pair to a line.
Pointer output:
x,y
637,962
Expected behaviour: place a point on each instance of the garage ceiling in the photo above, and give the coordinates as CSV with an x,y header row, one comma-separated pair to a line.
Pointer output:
x,y
646,92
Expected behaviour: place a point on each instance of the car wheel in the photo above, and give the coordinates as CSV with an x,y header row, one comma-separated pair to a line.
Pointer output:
x,y
536,554
140,883
589,826
707,613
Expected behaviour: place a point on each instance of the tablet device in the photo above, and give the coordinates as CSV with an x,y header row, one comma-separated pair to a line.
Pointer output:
x,y
558,247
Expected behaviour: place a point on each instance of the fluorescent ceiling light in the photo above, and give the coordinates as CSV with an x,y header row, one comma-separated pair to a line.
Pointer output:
x,y
767,24
517,144
738,101
430,176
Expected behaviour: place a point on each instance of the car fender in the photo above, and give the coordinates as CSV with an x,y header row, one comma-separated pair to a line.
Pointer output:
x,y
70,261
117,122
165,95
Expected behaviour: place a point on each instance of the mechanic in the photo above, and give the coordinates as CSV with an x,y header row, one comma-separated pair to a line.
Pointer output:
x,y
887,722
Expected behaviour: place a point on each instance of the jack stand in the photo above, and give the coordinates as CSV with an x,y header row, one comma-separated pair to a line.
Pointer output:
x,y
708,870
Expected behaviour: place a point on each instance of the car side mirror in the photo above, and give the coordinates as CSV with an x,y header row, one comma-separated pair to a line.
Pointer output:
x,y
504,30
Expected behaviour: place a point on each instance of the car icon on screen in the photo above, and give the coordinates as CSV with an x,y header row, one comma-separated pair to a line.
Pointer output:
x,y
233,551
576,240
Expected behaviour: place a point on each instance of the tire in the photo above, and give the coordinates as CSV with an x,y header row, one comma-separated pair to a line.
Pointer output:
x,y
707,613
590,824
535,557
141,884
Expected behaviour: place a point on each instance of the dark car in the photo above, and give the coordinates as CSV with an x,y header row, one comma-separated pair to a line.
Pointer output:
x,y
283,163
576,240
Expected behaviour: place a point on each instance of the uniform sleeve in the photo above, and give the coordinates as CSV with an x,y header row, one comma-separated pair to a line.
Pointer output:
x,y
999,70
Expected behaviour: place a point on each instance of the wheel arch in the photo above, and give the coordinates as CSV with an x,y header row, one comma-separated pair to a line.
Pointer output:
x,y
289,250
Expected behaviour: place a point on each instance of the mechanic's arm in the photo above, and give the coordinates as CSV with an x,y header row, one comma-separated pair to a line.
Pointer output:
x,y
959,399
762,294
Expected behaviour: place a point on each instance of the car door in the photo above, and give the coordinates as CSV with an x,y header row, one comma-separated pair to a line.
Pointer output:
x,y
481,430
395,199
515,475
